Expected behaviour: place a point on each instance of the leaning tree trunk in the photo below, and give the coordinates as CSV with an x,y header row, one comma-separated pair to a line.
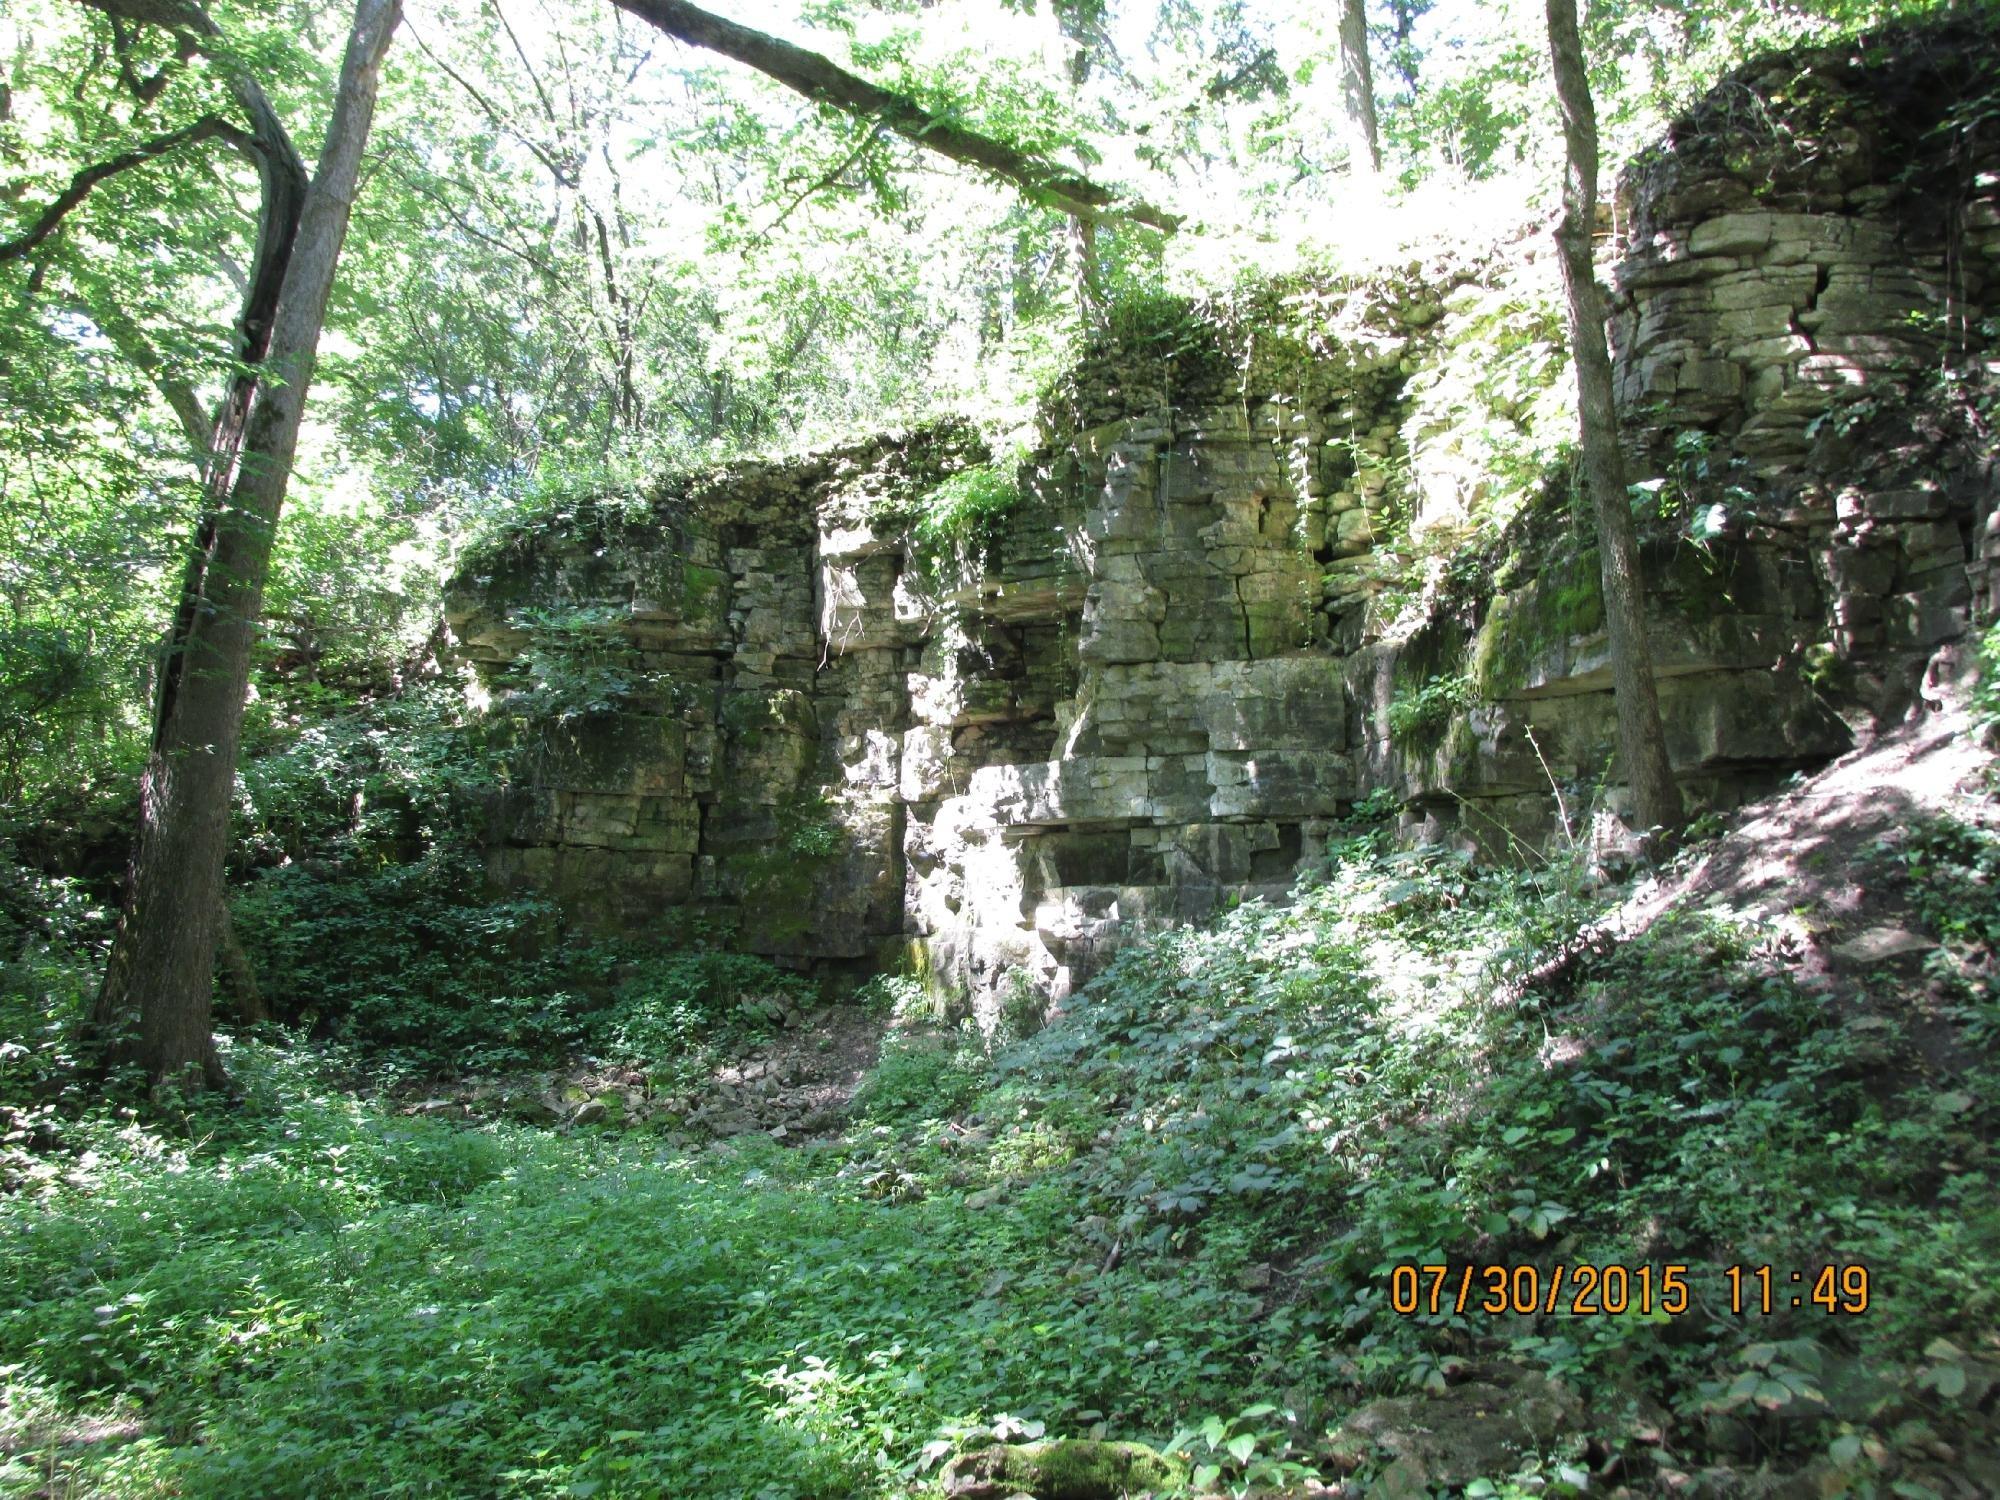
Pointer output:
x,y
1357,89
1641,740
157,990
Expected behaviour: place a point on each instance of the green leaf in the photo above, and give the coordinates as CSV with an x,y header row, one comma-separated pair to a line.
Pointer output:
x,y
1772,1394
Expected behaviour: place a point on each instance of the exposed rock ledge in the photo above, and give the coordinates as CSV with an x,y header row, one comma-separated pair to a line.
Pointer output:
x,y
1173,670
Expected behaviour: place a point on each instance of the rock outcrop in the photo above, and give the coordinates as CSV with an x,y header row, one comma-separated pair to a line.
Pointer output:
x,y
1262,567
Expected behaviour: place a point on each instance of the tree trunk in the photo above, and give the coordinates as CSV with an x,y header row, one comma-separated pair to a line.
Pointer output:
x,y
162,960
1641,741
1091,303
1403,17
215,442
1093,308
1357,89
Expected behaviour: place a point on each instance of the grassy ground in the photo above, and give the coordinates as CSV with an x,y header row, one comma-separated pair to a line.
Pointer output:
x,y
1174,1215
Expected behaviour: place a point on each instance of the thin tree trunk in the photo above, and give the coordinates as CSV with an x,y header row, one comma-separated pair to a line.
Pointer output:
x,y
1357,89
283,179
1092,305
1404,18
216,441
1641,741
162,964
282,182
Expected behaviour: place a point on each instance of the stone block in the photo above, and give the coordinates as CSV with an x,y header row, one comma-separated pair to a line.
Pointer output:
x,y
1115,639
1924,503
1732,234
1861,571
1763,321
1763,287
1781,349
1711,377
1284,784
1925,619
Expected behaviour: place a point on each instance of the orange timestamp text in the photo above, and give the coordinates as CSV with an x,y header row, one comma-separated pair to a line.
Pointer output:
x,y
1588,1290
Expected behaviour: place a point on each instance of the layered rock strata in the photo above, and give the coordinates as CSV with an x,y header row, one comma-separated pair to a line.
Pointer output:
x,y
1163,682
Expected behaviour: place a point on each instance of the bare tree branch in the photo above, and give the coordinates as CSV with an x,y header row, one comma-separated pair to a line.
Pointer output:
x,y
869,135
146,90
548,109
423,186
826,82
565,175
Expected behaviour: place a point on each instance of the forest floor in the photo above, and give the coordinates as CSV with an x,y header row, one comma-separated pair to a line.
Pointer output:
x,y
1809,862
794,1084
868,1258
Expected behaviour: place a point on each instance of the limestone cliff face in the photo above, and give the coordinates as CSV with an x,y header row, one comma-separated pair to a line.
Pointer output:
x,y
1246,584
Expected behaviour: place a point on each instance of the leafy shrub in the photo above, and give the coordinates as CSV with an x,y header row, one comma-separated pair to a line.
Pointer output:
x,y
920,1078
1160,323
52,943
58,698
415,963
363,784
901,996
681,1012
807,828
1986,692
1381,804
1175,1213
577,664
1420,714
1953,871
368,915
967,509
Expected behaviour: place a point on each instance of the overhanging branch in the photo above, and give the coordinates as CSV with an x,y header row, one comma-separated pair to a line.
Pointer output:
x,y
825,82
208,127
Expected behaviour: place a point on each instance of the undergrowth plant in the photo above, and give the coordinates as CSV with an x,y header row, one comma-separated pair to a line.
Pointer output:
x,y
680,1014
1421,713
1175,1215
966,509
